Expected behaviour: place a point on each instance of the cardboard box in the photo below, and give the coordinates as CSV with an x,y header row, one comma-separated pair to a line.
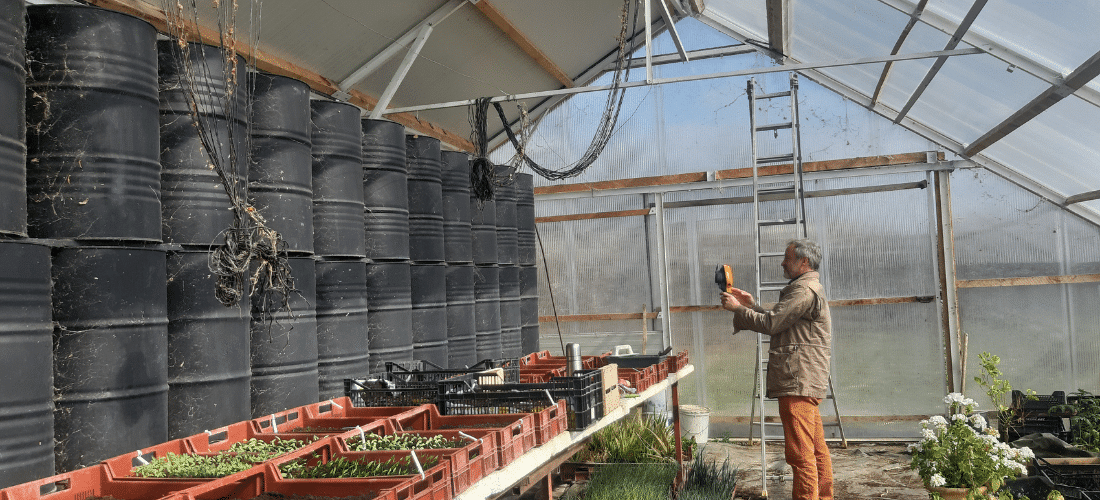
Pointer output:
x,y
611,398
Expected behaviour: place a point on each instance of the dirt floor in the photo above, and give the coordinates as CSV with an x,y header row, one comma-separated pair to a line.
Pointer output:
x,y
862,471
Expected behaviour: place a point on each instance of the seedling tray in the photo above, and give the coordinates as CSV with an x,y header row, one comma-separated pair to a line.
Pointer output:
x,y
95,481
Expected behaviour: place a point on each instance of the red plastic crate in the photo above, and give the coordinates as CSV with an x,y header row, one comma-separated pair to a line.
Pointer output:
x,y
677,362
95,481
266,480
515,431
435,484
340,425
550,422
467,462
119,467
534,357
639,378
342,407
222,439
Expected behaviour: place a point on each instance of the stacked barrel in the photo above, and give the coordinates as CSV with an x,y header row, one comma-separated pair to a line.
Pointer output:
x,y
339,240
457,236
487,318
93,186
428,267
208,343
280,184
527,245
26,406
507,262
389,278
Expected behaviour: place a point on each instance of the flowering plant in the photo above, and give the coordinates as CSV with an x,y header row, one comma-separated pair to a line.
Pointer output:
x,y
962,451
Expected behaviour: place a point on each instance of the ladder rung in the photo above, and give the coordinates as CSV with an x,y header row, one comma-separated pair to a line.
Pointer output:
x,y
771,254
774,126
776,222
779,284
773,96
773,159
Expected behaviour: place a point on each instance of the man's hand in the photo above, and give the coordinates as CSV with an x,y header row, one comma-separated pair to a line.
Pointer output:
x,y
739,298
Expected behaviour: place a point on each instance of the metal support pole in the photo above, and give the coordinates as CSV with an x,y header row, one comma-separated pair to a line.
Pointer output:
x,y
676,434
402,70
662,262
648,41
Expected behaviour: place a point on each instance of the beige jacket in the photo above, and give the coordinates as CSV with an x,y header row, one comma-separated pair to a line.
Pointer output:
x,y
801,338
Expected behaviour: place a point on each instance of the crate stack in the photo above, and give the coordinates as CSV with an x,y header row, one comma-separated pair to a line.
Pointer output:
x,y
458,243
389,279
280,185
339,241
527,251
428,267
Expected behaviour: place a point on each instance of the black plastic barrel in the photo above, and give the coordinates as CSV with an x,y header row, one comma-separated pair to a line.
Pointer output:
x,y
529,308
461,333
456,207
385,190
510,322
280,174
208,350
526,240
110,352
337,180
26,353
487,311
284,347
93,143
505,197
195,206
342,315
13,126
483,231
429,312
425,199
389,316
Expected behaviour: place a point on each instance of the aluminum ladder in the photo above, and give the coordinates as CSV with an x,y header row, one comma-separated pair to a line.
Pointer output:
x,y
784,186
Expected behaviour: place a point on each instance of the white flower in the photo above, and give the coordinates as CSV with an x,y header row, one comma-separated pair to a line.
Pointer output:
x,y
1025,453
953,398
927,435
958,417
977,421
936,481
914,447
937,421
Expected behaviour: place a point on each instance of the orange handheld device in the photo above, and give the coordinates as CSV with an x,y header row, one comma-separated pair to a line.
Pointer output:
x,y
723,276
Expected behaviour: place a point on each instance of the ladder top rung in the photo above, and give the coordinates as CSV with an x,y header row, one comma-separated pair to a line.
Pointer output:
x,y
776,222
776,190
774,126
773,96
772,159
771,288
772,254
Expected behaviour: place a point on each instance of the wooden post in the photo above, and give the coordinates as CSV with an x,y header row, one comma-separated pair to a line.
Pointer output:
x,y
676,434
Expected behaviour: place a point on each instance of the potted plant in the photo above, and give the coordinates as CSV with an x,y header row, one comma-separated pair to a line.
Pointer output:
x,y
960,457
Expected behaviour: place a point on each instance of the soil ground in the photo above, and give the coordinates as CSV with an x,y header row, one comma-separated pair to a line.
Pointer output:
x,y
863,471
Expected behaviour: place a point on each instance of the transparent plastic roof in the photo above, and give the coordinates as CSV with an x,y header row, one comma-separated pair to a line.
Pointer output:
x,y
1027,48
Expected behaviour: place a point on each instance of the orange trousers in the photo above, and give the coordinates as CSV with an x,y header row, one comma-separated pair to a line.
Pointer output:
x,y
805,448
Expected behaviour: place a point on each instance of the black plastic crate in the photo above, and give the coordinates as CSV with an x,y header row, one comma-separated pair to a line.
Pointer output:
x,y
1019,427
1071,479
426,371
635,360
583,394
1040,404
380,392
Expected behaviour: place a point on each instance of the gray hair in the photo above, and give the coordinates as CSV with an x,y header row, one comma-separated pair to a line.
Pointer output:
x,y
807,249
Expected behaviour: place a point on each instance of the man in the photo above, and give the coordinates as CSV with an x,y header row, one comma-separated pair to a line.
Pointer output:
x,y
798,364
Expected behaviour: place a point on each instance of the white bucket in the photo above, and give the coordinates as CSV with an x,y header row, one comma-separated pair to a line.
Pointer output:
x,y
695,422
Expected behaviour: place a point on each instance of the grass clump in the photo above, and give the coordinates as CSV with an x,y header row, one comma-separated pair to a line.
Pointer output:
x,y
239,457
707,480
635,439
648,481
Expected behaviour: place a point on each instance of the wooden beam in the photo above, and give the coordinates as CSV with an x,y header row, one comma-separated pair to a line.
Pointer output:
x,y
738,173
275,65
707,308
1029,281
596,215
513,33
1080,76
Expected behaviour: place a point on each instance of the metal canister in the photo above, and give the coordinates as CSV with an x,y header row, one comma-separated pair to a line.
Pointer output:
x,y
572,358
